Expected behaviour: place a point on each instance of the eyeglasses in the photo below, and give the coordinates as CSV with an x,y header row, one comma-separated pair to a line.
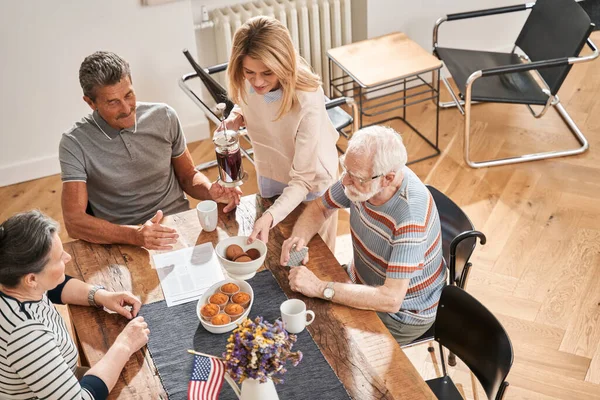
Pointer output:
x,y
353,177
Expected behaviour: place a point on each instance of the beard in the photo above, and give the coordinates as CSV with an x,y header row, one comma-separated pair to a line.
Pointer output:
x,y
359,197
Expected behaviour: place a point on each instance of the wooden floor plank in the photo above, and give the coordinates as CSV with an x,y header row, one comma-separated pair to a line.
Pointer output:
x,y
521,331
582,335
583,260
593,375
506,214
552,250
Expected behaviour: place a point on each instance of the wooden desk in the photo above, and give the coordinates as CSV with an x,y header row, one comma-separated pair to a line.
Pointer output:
x,y
360,349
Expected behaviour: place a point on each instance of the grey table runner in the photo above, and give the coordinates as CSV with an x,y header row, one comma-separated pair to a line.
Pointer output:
x,y
176,329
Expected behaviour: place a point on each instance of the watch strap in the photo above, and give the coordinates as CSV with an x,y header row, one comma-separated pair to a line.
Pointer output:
x,y
92,293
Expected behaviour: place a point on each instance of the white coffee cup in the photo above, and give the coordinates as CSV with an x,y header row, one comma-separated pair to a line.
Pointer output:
x,y
207,215
293,315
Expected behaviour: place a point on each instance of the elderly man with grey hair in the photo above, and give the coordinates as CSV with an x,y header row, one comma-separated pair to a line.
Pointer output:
x,y
126,164
398,269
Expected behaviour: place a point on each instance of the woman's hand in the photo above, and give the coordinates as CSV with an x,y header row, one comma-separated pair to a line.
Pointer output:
x,y
229,196
261,228
234,122
119,302
134,336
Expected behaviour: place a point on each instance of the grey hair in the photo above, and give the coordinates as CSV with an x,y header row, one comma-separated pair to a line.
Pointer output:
x,y
102,68
25,243
383,144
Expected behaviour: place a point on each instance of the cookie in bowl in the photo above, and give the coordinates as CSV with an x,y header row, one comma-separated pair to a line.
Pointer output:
x,y
253,254
242,267
234,251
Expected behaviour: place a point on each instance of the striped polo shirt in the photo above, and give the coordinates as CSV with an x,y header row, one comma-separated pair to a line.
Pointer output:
x,y
400,239
38,357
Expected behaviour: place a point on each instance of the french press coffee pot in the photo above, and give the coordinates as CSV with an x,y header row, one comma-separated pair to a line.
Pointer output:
x,y
229,156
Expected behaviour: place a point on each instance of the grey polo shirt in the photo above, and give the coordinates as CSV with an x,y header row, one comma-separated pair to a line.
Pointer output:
x,y
129,174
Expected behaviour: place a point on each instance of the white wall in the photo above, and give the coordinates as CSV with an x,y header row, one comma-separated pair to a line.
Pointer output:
x,y
417,18
42,44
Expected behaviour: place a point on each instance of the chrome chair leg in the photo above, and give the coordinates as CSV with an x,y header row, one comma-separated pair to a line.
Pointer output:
x,y
456,102
584,145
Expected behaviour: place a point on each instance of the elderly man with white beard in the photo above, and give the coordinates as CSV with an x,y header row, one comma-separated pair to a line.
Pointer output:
x,y
398,269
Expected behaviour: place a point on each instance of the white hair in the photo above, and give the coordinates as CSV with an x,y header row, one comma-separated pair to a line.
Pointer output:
x,y
383,144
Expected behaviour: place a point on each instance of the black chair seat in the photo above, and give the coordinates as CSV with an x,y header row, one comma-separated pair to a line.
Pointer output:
x,y
339,118
444,388
517,88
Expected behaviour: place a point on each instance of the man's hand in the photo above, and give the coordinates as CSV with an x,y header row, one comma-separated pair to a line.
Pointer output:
x,y
154,236
118,301
294,242
261,228
229,196
302,280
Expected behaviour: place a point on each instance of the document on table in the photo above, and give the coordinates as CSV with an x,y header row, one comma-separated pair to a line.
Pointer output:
x,y
187,273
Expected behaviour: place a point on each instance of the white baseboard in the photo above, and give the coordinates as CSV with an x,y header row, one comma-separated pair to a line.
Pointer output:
x,y
44,166
29,169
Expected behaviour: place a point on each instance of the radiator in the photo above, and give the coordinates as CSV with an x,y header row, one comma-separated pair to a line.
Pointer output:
x,y
315,27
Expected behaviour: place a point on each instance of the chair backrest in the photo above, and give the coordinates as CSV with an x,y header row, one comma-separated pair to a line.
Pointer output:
x,y
216,90
554,29
466,328
454,221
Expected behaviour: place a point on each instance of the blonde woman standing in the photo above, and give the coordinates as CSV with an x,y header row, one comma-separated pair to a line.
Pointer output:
x,y
281,102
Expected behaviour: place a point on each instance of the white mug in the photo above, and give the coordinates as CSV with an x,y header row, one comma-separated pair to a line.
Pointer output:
x,y
207,215
293,315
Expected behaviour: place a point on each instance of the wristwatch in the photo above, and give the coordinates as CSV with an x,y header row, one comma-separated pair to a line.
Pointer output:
x,y
92,293
328,293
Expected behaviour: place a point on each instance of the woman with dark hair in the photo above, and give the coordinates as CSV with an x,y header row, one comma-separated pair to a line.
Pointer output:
x,y
38,358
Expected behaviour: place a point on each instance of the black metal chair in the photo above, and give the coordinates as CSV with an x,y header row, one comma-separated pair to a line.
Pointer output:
x,y
459,238
339,118
469,330
551,40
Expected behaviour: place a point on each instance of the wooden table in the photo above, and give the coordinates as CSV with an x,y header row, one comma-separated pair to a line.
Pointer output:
x,y
385,74
358,346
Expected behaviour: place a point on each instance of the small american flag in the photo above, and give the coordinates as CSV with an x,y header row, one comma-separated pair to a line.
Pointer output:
x,y
207,378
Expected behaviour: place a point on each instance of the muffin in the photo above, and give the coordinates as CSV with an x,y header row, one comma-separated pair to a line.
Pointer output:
x,y
234,310
219,299
243,258
220,319
241,298
253,254
233,251
230,288
209,310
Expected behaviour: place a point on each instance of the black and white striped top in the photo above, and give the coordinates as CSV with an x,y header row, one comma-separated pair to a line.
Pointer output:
x,y
37,355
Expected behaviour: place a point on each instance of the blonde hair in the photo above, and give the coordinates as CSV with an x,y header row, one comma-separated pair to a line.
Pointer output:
x,y
266,39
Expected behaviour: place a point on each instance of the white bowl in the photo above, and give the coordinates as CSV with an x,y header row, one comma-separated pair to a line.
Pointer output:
x,y
244,287
241,270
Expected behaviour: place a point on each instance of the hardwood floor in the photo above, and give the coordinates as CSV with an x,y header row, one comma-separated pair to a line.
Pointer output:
x,y
540,270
